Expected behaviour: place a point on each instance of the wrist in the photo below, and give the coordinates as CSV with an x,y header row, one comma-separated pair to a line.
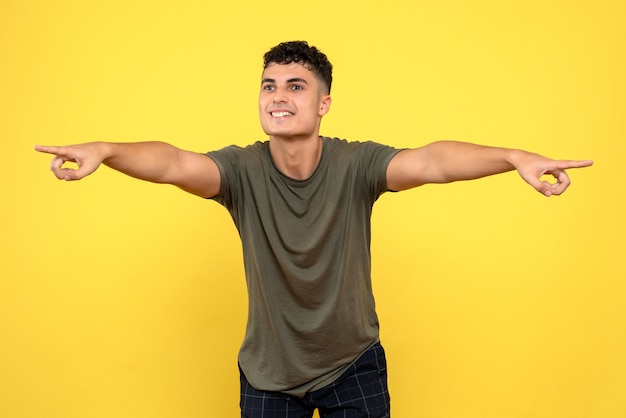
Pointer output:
x,y
106,150
514,157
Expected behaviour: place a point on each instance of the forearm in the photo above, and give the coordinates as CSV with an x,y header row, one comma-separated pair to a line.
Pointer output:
x,y
450,161
151,161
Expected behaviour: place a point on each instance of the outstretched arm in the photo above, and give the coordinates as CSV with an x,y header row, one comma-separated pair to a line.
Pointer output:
x,y
156,162
448,161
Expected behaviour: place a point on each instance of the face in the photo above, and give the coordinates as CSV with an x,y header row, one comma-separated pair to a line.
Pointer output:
x,y
291,102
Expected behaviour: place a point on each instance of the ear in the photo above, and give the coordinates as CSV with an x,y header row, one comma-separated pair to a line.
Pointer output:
x,y
325,104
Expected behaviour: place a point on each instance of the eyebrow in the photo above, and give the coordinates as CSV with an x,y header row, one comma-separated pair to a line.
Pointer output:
x,y
291,80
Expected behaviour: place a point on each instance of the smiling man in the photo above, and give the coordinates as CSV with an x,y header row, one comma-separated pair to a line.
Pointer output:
x,y
302,205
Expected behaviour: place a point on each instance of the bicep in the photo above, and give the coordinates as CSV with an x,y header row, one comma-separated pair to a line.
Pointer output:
x,y
409,168
197,174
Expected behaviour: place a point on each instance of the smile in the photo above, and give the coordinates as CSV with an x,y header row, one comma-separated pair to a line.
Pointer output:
x,y
281,114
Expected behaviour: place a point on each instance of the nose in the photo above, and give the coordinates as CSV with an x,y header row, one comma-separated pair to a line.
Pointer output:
x,y
279,96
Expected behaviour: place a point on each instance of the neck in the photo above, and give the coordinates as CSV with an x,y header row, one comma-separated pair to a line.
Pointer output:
x,y
296,158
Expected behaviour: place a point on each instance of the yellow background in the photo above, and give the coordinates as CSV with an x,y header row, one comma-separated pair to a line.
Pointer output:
x,y
126,299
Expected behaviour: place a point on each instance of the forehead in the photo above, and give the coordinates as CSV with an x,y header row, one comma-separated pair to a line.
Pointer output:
x,y
285,72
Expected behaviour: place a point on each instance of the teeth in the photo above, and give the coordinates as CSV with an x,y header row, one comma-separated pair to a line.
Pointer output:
x,y
281,114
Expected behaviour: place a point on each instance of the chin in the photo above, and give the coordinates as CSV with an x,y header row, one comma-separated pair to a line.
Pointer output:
x,y
277,131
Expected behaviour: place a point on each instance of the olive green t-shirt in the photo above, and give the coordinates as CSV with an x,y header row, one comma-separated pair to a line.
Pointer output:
x,y
306,251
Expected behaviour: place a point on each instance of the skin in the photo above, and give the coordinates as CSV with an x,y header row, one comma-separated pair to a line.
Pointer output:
x,y
292,103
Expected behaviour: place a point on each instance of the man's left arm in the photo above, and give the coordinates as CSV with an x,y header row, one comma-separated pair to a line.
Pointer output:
x,y
448,161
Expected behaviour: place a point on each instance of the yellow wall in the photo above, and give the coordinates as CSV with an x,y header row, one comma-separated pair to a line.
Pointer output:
x,y
125,299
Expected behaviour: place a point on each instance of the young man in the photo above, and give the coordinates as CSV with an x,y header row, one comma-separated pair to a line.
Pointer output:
x,y
302,205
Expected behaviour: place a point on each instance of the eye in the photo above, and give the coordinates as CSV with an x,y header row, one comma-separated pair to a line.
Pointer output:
x,y
268,87
296,87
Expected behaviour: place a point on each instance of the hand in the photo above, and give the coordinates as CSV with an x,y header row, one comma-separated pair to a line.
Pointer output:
x,y
533,166
88,157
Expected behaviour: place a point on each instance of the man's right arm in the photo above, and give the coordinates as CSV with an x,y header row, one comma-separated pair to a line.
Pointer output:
x,y
156,162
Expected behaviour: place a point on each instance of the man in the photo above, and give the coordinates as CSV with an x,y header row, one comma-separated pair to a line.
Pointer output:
x,y
302,205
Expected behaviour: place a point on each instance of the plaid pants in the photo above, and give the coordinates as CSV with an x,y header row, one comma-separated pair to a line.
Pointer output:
x,y
359,393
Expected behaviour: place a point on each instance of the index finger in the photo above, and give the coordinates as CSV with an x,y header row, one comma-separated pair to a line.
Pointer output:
x,y
563,164
48,149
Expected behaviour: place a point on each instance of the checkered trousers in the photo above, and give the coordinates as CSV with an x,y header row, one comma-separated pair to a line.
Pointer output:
x,y
359,393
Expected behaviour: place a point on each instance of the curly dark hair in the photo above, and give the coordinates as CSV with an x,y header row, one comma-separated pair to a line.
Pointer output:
x,y
301,53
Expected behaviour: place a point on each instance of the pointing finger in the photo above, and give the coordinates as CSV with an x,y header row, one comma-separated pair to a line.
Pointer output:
x,y
48,149
563,164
